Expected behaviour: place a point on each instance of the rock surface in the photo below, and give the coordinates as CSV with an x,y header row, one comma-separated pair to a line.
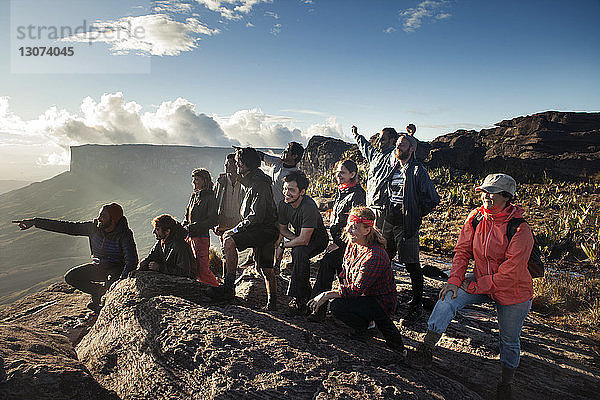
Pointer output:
x,y
37,359
162,346
560,144
158,338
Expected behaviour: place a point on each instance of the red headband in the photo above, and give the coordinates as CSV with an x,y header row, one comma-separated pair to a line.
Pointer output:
x,y
363,220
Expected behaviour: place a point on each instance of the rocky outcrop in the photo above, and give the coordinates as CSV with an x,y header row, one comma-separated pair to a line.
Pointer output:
x,y
37,358
559,144
164,346
321,154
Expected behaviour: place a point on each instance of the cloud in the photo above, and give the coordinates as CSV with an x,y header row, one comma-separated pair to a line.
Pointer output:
x,y
303,111
389,29
171,6
153,34
254,127
428,10
276,29
330,128
114,120
271,14
231,9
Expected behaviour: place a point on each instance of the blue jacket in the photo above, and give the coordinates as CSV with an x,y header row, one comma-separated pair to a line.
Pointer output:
x,y
420,196
377,194
113,249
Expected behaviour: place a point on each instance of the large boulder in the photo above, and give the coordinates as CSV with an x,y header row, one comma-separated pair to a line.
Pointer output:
x,y
559,144
147,344
35,364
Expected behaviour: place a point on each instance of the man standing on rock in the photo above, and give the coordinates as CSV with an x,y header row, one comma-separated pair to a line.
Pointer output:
x,y
113,249
308,239
171,254
378,157
257,229
411,196
229,197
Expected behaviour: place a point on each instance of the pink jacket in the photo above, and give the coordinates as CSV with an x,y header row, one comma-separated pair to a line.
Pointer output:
x,y
500,269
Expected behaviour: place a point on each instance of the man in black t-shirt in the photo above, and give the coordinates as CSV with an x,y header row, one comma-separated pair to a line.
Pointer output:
x,y
308,239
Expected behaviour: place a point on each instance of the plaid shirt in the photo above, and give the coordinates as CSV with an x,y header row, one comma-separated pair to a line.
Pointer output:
x,y
367,272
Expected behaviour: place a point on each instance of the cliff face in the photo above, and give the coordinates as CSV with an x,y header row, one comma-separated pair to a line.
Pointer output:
x,y
133,160
558,144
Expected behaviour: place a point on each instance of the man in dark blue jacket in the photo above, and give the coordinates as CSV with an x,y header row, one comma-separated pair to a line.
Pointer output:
x,y
113,249
410,196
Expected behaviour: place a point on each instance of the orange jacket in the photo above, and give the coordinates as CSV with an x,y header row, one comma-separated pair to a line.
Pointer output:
x,y
500,268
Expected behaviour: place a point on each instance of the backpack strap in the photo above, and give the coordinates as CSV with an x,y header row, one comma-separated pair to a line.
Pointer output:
x,y
476,220
512,226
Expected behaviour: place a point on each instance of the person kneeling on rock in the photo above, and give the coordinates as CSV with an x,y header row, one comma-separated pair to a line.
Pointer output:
x,y
171,254
114,254
367,289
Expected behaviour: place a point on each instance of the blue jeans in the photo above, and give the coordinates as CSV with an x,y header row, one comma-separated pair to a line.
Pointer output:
x,y
510,321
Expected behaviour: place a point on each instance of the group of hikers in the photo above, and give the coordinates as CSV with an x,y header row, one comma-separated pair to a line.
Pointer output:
x,y
249,209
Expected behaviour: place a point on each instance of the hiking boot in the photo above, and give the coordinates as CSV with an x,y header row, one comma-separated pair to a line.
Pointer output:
x,y
298,308
413,315
422,358
221,293
504,391
319,315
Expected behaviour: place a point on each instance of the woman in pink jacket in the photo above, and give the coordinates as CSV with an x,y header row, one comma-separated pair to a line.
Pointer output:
x,y
500,275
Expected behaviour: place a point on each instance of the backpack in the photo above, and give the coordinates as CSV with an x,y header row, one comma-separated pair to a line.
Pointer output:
x,y
535,265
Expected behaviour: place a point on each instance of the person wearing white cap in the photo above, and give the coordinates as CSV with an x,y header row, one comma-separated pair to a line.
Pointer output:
x,y
500,276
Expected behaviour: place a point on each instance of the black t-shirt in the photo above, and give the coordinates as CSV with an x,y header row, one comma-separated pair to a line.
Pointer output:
x,y
307,215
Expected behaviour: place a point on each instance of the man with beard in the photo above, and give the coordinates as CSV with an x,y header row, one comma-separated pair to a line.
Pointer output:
x,y
308,239
113,249
257,229
171,254
411,196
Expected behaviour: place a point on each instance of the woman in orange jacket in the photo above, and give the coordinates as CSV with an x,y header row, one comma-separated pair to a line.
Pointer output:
x,y
500,275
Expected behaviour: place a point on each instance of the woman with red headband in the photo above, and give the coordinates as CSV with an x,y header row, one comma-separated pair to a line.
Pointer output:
x,y
349,195
367,289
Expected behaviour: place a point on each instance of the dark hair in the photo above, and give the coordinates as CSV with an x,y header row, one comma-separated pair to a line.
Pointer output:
x,y
298,177
165,221
351,166
297,149
205,175
230,156
249,157
391,133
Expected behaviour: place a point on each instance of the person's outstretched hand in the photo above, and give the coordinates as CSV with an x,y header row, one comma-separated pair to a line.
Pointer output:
x,y
24,223
354,130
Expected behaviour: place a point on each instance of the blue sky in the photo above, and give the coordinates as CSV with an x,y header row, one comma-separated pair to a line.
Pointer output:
x,y
268,72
